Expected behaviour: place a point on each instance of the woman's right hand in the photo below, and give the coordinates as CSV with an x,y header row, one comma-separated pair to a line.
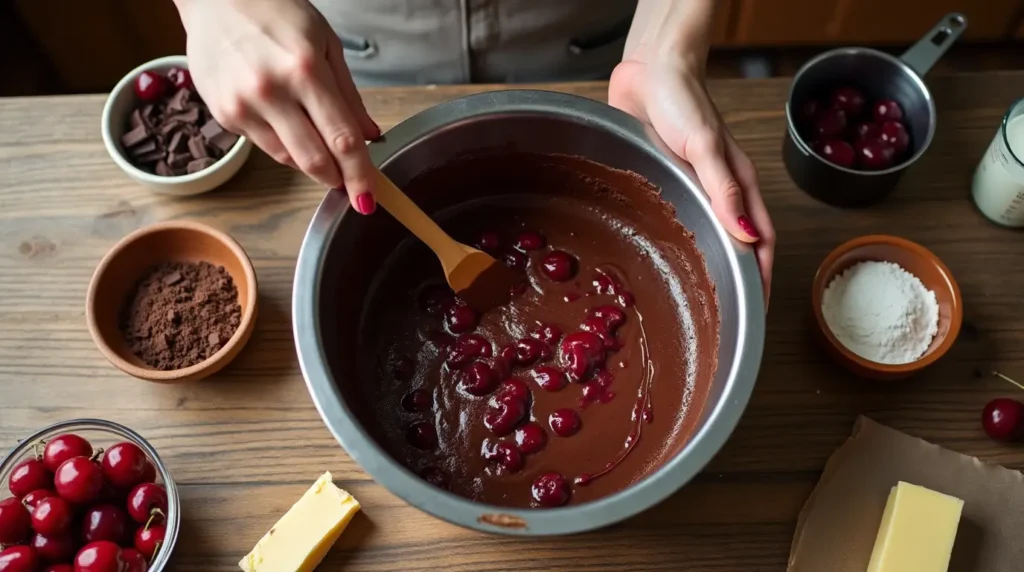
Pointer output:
x,y
274,71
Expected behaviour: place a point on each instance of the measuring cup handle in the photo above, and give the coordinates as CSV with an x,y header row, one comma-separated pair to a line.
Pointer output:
x,y
923,55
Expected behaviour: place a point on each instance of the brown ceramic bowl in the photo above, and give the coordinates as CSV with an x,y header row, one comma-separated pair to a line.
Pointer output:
x,y
129,260
915,259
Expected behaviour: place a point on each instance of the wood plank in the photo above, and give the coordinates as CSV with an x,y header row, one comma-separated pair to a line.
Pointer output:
x,y
252,433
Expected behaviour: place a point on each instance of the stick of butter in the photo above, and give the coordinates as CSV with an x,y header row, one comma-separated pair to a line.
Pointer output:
x,y
302,537
917,531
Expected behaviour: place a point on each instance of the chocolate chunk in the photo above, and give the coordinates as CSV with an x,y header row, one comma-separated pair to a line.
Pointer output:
x,y
135,136
163,169
178,160
144,148
179,100
213,338
167,128
197,147
151,157
172,278
177,142
187,116
200,164
224,141
135,119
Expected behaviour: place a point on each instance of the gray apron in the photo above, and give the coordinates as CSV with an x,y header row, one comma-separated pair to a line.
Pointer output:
x,y
408,42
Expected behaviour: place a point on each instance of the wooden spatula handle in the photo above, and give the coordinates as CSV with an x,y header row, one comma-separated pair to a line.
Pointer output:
x,y
412,217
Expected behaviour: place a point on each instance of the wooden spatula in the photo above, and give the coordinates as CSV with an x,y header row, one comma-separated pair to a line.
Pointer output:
x,y
474,275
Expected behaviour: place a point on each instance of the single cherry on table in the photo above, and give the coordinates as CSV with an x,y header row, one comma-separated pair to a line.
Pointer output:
x,y
1003,419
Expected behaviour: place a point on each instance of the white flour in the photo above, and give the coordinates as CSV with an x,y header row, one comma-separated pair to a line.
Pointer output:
x,y
881,312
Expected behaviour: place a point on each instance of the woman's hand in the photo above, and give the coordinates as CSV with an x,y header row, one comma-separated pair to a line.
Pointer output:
x,y
671,97
274,71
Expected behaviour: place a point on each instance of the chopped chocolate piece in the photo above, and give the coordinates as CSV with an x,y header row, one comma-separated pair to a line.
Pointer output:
x,y
197,147
178,160
200,164
163,169
135,119
179,100
151,157
211,129
213,338
169,127
224,141
172,278
144,148
177,142
135,136
188,116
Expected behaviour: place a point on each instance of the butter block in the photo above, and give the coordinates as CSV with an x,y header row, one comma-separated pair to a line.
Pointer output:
x,y
302,537
917,531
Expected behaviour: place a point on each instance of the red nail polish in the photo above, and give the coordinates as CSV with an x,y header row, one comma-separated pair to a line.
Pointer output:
x,y
365,203
748,227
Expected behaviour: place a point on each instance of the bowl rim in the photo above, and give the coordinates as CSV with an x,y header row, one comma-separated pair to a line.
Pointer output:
x,y
695,454
173,520
818,288
114,150
194,371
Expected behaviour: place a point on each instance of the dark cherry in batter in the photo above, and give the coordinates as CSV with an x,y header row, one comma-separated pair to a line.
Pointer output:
x,y
590,379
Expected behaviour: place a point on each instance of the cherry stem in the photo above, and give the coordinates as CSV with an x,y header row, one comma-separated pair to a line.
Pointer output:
x,y
96,455
152,515
1003,377
156,549
39,448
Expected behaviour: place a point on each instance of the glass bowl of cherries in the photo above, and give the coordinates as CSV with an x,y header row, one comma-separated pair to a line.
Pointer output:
x,y
86,495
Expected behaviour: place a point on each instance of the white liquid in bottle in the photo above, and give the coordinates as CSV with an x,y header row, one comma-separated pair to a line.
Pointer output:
x,y
998,187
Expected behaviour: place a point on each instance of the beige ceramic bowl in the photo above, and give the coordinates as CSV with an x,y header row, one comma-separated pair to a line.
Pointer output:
x,y
129,260
119,106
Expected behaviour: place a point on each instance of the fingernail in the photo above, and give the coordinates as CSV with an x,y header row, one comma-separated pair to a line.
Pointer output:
x,y
747,226
380,132
365,203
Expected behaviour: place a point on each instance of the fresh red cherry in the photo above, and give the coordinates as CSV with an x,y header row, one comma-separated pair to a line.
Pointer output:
x,y
144,500
418,401
15,521
52,516
180,78
866,131
529,241
850,100
19,559
549,378
547,333
598,326
530,438
489,241
830,124
605,284
530,350
550,490
104,522
506,455
594,391
887,110
27,476
1003,419
123,464
63,447
503,414
580,352
58,548
421,435
626,300
837,152
460,319
148,473
516,260
59,568
134,561
437,477
148,540
809,111
559,266
467,347
895,134
32,499
436,300
478,379
564,422
515,388
149,86
78,480
611,315
874,155
102,556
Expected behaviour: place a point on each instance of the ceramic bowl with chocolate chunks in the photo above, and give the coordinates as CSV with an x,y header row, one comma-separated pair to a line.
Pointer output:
x,y
159,131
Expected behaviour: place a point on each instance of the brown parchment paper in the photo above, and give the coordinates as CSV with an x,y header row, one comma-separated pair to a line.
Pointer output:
x,y
837,526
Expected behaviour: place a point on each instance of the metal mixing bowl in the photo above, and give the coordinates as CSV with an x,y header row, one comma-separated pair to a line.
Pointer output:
x,y
540,122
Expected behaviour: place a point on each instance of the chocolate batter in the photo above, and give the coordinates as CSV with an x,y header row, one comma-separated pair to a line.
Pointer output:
x,y
434,373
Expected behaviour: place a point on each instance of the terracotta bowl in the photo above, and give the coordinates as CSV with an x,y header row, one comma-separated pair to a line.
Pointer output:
x,y
129,260
915,259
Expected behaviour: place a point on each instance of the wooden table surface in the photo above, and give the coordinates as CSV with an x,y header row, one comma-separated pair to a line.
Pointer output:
x,y
244,445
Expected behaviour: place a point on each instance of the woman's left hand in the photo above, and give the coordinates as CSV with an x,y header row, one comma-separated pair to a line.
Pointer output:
x,y
672,98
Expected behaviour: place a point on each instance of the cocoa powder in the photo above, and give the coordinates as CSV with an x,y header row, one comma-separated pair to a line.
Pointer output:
x,y
180,313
